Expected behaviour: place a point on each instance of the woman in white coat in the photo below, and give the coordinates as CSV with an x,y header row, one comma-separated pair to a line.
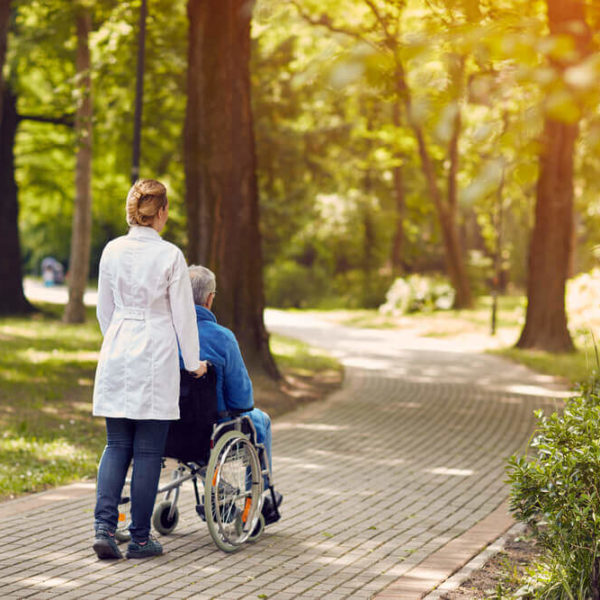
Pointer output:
x,y
145,308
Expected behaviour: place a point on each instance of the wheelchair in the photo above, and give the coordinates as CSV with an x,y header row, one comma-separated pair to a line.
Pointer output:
x,y
221,452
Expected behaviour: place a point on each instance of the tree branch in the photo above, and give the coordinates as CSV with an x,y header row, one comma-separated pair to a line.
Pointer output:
x,y
325,21
66,120
381,20
440,14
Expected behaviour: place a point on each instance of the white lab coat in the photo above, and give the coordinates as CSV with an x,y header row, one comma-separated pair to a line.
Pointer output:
x,y
145,306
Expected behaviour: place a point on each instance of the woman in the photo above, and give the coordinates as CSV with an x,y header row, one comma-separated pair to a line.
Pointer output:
x,y
145,306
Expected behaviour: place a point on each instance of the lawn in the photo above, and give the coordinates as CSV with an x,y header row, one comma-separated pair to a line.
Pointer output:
x,y
46,378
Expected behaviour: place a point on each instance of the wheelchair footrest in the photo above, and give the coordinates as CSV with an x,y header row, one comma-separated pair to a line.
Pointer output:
x,y
270,508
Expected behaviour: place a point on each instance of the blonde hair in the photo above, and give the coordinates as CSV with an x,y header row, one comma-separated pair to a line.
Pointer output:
x,y
145,198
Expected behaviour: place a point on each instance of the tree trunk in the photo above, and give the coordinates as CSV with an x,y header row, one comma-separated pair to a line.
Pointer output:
x,y
446,212
449,214
455,264
4,26
12,298
220,167
79,261
397,256
552,242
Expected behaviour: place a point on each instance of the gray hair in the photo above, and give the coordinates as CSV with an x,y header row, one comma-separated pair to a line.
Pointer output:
x,y
203,283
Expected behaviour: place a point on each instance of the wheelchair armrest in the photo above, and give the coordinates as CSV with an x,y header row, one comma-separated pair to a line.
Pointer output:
x,y
232,414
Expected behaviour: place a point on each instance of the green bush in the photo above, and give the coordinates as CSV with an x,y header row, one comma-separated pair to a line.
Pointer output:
x,y
292,285
417,293
556,492
357,289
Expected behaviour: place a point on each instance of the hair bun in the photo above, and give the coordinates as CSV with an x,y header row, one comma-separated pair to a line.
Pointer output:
x,y
145,198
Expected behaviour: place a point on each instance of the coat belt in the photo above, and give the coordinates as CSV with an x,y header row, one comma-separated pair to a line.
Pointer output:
x,y
134,314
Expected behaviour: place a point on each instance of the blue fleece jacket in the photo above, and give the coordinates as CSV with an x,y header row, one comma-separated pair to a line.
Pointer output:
x,y
234,387
219,346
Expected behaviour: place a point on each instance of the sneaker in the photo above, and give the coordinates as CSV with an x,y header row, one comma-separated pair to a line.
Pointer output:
x,y
105,545
150,547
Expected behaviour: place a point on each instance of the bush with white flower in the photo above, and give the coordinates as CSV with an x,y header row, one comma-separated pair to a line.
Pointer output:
x,y
418,293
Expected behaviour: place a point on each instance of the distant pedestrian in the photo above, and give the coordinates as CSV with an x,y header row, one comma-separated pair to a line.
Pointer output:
x,y
52,271
145,307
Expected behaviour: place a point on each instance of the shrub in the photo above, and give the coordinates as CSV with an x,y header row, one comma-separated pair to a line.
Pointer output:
x,y
556,492
417,293
291,285
357,289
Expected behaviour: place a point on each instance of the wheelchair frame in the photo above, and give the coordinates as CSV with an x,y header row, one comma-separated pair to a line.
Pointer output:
x,y
233,483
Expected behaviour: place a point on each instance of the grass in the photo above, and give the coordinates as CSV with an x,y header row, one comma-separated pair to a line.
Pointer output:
x,y
300,359
49,437
46,378
510,314
574,367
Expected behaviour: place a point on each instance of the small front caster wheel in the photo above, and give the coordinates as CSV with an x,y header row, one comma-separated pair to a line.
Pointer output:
x,y
161,520
122,535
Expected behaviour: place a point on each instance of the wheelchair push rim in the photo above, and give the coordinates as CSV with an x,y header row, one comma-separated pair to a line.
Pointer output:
x,y
233,491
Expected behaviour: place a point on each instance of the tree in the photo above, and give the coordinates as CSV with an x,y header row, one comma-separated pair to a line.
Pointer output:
x,y
82,213
12,299
552,238
4,26
220,167
384,33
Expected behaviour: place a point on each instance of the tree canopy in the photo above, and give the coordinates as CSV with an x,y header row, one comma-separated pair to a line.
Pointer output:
x,y
390,134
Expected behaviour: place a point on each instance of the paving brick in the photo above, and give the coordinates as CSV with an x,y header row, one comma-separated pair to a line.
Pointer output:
x,y
385,483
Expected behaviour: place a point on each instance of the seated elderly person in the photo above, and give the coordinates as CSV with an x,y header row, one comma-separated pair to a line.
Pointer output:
x,y
234,388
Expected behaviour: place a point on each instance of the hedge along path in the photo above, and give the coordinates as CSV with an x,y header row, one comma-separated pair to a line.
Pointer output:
x,y
397,465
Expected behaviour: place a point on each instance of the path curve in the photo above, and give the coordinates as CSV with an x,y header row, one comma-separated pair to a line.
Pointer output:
x,y
407,456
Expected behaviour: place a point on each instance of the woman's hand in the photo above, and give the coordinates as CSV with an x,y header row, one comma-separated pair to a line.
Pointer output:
x,y
201,370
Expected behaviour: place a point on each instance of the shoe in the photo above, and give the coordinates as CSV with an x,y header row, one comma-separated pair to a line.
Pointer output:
x,y
105,545
150,547
269,510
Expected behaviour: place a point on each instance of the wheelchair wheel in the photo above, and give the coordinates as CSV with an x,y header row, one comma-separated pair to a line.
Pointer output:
x,y
232,491
162,522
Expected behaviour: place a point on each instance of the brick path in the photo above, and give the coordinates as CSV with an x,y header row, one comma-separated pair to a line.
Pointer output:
x,y
383,484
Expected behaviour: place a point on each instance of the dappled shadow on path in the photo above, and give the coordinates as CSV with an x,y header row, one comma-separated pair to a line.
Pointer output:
x,y
406,356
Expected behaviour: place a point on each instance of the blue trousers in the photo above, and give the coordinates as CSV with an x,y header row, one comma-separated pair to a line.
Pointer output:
x,y
262,424
127,439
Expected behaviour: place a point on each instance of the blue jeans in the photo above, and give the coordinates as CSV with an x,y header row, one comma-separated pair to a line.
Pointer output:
x,y
144,441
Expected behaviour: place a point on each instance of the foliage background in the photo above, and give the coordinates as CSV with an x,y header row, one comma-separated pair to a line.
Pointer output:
x,y
323,89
